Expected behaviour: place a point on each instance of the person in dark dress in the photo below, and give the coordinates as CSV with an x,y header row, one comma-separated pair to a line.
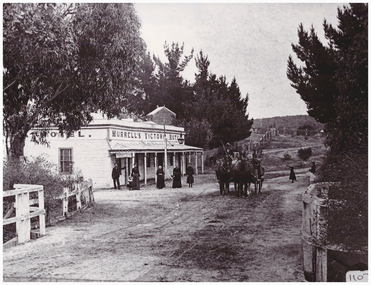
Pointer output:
x,y
190,173
116,172
313,167
177,183
312,171
135,174
160,178
292,176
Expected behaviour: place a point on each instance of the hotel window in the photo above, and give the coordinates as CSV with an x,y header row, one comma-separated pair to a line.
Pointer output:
x,y
171,159
65,160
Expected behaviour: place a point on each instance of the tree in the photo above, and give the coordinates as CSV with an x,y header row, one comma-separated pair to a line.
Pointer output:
x,y
64,61
145,97
173,89
334,84
198,132
220,104
305,153
334,79
110,51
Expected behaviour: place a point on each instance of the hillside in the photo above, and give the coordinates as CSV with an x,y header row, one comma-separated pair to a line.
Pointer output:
x,y
289,122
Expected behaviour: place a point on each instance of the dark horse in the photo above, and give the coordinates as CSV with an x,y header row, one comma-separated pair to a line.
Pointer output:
x,y
244,173
223,175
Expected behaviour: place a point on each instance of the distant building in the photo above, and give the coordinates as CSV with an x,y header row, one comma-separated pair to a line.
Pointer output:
x,y
321,133
161,115
95,148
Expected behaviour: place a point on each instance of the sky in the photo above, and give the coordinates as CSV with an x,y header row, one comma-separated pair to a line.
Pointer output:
x,y
251,42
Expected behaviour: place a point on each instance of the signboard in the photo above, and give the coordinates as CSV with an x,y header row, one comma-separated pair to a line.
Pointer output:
x,y
357,276
172,136
144,136
124,154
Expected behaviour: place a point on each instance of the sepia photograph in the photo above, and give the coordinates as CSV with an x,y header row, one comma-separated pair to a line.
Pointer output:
x,y
185,142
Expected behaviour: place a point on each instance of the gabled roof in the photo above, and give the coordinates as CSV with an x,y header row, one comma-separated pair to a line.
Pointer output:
x,y
159,109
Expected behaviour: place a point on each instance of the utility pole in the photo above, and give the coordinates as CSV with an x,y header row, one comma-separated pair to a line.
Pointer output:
x,y
165,154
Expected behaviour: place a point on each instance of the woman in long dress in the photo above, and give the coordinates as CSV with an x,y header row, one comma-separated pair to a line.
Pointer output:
x,y
160,178
135,174
292,176
190,173
177,183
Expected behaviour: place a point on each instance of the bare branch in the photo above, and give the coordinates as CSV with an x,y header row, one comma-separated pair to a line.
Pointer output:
x,y
9,85
69,11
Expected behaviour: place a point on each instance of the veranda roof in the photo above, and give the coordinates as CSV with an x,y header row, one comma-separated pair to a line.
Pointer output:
x,y
142,146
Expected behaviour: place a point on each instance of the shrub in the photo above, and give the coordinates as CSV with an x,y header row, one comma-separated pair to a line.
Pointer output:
x,y
347,200
305,153
38,171
286,156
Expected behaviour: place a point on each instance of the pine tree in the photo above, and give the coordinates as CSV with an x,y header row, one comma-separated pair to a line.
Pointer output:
x,y
334,84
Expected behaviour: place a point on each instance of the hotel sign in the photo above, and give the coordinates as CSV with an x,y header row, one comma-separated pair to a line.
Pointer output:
x,y
144,136
114,134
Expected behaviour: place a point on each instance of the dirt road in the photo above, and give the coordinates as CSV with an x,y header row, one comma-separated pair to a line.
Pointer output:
x,y
188,234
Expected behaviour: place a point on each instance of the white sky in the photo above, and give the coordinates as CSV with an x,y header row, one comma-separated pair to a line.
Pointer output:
x,y
251,42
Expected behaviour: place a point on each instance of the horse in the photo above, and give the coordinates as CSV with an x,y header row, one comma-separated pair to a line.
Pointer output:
x,y
244,173
223,175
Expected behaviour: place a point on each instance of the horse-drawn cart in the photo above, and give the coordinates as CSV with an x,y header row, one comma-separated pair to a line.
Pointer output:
x,y
242,172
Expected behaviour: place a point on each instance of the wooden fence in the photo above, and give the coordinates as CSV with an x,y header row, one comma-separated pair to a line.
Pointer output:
x,y
78,198
255,145
315,258
26,206
29,203
323,259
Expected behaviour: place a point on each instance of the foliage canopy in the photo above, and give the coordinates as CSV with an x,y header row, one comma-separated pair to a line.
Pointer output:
x,y
64,61
334,84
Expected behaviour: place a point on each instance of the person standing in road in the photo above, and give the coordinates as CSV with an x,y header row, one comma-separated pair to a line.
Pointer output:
x,y
190,173
177,183
292,176
116,172
160,178
313,167
312,171
135,174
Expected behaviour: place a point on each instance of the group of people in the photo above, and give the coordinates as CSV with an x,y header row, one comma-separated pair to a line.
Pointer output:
x,y
177,174
133,180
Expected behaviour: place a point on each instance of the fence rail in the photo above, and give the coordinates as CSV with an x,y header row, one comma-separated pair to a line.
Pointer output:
x,y
254,145
323,259
78,198
25,209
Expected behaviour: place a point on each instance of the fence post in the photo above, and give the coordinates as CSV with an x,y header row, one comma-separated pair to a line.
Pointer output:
x,y
78,196
42,215
23,225
91,195
321,264
65,201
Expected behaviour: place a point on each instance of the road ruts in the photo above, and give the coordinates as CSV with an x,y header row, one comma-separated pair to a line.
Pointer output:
x,y
188,234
